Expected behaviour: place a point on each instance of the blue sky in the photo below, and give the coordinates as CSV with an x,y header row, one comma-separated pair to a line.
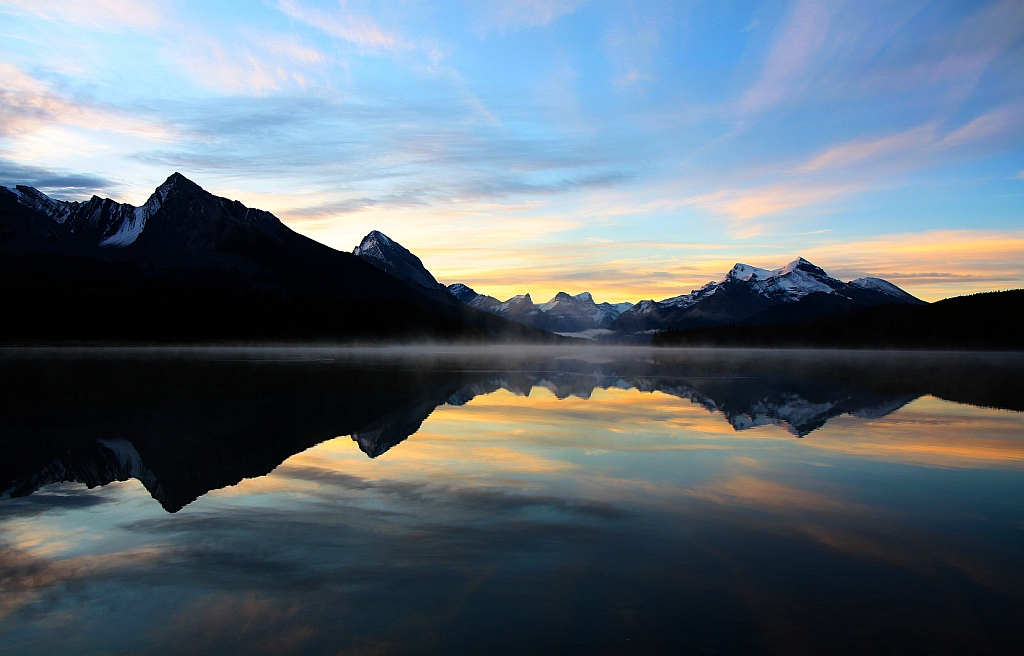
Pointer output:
x,y
631,149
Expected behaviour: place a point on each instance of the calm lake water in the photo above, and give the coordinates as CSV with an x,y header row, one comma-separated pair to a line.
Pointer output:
x,y
510,501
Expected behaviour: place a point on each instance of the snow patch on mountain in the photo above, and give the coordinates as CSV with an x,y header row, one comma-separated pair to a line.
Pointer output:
x,y
129,230
879,285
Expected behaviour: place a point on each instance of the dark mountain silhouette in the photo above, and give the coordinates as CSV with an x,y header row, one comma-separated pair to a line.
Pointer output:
x,y
988,321
191,266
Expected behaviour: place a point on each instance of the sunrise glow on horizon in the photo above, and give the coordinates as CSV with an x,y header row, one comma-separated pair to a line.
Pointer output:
x,y
636,150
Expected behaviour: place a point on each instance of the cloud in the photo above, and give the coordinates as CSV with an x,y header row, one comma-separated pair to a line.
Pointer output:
x,y
255,61
506,15
860,150
791,56
742,206
47,135
355,28
631,40
931,264
27,104
103,15
853,167
51,181
953,59
920,146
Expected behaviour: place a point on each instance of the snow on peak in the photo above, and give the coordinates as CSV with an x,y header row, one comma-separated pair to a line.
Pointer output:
x,y
793,266
742,271
374,241
393,258
585,297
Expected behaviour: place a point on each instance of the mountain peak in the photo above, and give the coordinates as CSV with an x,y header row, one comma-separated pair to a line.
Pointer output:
x,y
375,239
458,289
585,297
388,255
741,271
177,178
802,265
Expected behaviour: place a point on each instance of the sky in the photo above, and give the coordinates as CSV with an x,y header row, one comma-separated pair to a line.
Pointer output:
x,y
633,149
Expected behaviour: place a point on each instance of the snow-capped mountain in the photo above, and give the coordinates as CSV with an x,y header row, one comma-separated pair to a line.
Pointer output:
x,y
390,256
751,295
564,313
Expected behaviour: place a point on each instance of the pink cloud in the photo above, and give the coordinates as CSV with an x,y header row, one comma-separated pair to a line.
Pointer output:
x,y
360,30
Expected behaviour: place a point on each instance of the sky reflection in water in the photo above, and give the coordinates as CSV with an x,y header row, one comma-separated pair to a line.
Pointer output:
x,y
628,521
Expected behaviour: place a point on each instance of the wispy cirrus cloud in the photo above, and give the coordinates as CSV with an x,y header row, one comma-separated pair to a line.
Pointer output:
x,y
848,50
359,29
921,145
104,15
249,62
791,56
28,104
505,15
854,167
631,40
742,206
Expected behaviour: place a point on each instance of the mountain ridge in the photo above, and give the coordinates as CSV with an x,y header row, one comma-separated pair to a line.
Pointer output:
x,y
202,254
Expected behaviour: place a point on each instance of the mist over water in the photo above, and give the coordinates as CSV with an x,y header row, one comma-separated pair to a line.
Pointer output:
x,y
446,499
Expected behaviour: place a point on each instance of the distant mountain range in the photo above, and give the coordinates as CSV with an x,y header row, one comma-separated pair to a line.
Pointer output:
x,y
563,313
188,265
747,295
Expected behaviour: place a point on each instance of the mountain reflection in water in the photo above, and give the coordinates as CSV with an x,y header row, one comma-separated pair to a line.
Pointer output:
x,y
183,426
658,473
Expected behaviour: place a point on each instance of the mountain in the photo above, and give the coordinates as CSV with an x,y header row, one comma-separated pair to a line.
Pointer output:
x,y
564,313
987,322
393,258
188,265
749,295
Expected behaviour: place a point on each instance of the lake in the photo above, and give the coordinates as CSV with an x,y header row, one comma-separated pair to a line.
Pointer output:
x,y
510,500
